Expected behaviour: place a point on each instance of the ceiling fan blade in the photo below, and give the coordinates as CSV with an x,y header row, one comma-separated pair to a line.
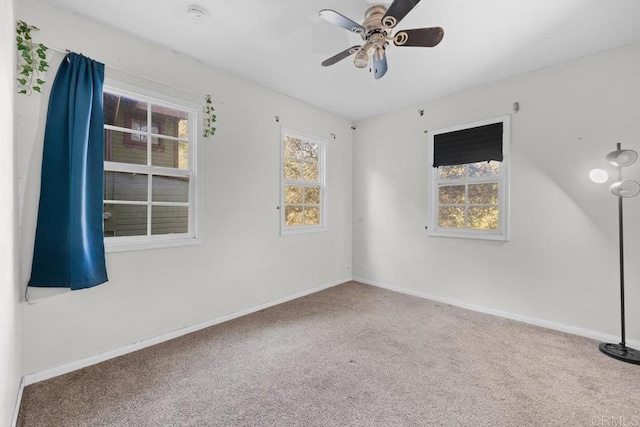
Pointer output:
x,y
397,11
420,37
342,55
379,64
341,20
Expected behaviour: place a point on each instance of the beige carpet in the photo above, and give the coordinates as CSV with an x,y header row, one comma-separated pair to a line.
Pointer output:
x,y
352,355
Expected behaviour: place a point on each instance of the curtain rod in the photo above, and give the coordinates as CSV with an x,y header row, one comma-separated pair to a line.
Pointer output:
x,y
199,95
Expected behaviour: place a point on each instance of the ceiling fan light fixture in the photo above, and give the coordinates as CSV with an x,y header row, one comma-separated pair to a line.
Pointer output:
x,y
362,59
376,32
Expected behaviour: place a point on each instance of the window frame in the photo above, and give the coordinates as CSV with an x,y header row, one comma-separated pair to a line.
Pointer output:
x,y
502,233
322,166
194,234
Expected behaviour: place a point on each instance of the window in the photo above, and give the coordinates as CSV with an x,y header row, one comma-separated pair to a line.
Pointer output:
x,y
150,170
302,206
469,188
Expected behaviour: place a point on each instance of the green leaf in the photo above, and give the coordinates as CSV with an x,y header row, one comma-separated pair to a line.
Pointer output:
x,y
24,72
27,35
23,91
19,39
44,63
22,81
37,89
40,81
43,47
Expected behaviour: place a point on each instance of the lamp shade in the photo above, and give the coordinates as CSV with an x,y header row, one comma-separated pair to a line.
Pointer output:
x,y
622,158
626,188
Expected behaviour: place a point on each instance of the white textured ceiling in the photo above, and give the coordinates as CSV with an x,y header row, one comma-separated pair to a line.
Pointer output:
x,y
281,43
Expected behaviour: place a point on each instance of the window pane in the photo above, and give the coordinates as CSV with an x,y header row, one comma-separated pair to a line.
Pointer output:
x,y
125,186
292,170
312,215
168,120
452,172
169,219
183,155
124,147
483,194
312,195
451,216
483,217
451,194
166,153
309,150
292,194
480,169
170,189
125,220
292,148
310,172
183,129
120,110
293,215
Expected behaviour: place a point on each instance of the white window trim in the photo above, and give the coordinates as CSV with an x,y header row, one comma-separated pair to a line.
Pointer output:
x,y
322,167
195,233
502,234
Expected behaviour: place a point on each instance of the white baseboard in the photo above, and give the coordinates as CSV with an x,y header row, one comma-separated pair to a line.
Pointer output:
x,y
514,316
92,360
16,410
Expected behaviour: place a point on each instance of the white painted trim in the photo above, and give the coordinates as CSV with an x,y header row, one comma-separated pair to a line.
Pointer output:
x,y
16,410
139,345
322,182
92,360
502,234
574,330
195,173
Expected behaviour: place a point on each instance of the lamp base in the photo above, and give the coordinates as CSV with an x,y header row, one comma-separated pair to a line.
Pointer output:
x,y
621,352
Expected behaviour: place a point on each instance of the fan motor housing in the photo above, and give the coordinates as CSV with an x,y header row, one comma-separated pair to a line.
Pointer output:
x,y
373,20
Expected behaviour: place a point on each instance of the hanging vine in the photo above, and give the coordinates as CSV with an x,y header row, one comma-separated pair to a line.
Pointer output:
x,y
209,117
32,60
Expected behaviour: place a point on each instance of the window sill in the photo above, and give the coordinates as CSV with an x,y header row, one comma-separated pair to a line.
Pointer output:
x,y
149,244
469,235
298,231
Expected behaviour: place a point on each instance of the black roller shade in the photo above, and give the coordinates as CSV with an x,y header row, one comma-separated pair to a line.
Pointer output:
x,y
479,144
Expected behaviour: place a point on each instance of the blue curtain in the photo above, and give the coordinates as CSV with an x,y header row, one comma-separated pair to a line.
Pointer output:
x,y
69,245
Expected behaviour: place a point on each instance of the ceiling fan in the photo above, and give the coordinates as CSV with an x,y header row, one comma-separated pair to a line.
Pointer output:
x,y
376,31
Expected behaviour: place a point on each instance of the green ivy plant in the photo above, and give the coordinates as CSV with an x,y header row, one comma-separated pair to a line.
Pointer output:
x,y
32,60
210,117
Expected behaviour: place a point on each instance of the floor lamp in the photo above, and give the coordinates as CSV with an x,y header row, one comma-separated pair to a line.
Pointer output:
x,y
621,189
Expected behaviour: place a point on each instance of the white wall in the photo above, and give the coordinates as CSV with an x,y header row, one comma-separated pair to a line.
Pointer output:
x,y
10,371
243,261
561,263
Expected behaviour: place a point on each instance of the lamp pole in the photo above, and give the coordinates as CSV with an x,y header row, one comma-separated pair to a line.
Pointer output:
x,y
621,351
623,341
